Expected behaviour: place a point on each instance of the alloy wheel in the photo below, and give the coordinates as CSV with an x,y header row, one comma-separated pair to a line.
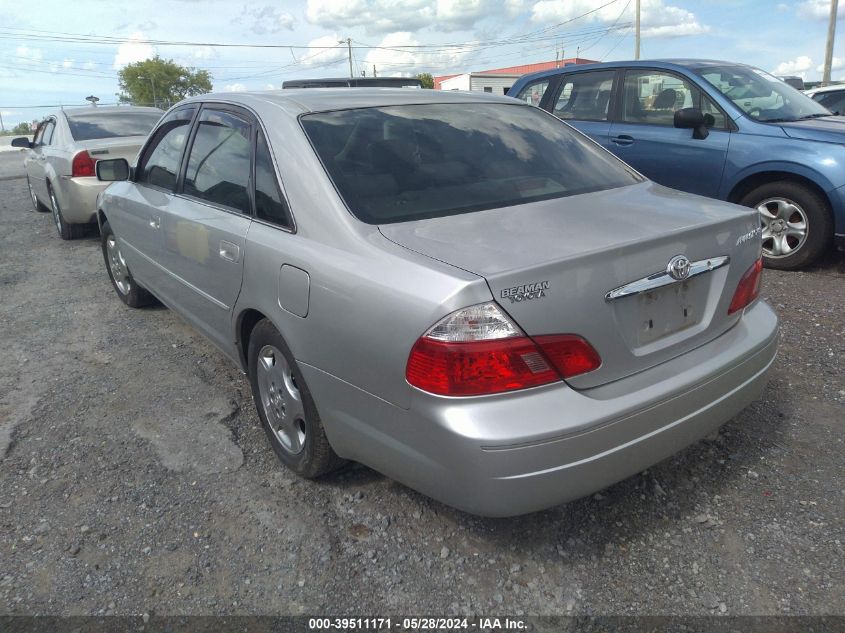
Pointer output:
x,y
784,225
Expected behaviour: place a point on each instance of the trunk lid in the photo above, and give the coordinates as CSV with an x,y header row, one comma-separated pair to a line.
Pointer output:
x,y
107,148
551,265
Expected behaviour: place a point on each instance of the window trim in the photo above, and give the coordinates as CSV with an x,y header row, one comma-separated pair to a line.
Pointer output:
x,y
729,124
189,145
143,155
47,122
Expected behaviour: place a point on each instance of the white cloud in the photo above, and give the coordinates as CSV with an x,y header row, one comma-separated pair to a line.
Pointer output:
x,y
89,65
818,10
236,87
205,52
657,19
390,16
267,19
133,50
32,54
838,63
406,63
798,66
326,51
68,63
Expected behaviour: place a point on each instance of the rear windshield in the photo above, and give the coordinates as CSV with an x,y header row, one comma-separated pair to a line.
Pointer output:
x,y
94,125
400,163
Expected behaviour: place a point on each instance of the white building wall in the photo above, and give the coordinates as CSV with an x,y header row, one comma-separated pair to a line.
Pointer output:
x,y
461,82
496,83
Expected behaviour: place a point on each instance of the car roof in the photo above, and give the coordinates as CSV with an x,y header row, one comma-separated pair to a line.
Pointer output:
x,y
667,64
109,110
831,88
324,99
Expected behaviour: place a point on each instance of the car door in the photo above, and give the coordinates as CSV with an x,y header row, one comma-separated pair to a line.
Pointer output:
x,y
584,100
35,163
204,226
136,216
645,137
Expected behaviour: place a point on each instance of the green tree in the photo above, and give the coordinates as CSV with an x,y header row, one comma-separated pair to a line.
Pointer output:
x,y
427,80
21,129
160,82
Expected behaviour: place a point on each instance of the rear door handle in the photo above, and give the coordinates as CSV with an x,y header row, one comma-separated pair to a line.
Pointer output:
x,y
155,222
623,140
230,252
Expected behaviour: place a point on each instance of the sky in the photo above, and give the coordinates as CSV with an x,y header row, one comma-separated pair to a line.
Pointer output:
x,y
63,51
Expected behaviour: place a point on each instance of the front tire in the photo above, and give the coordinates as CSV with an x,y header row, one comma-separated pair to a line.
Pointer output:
x,y
66,231
797,223
285,405
121,279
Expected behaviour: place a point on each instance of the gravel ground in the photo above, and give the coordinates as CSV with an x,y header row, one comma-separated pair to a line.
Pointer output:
x,y
135,478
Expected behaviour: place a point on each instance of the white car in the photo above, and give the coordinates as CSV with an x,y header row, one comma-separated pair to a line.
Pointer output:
x,y
831,97
61,158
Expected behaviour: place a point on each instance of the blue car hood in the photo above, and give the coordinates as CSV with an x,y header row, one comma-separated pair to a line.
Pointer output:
x,y
830,129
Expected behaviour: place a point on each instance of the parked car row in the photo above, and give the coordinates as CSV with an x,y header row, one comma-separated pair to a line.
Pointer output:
x,y
726,131
457,290
66,145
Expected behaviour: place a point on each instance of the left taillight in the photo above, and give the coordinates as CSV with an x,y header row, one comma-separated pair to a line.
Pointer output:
x,y
748,288
479,351
82,165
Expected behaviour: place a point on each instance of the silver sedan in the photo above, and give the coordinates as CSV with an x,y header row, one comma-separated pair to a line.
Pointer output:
x,y
457,290
61,158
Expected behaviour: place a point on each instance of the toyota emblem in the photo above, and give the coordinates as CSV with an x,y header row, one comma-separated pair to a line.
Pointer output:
x,y
678,267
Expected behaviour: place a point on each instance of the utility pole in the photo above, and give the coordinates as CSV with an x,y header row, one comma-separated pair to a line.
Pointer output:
x,y
374,71
2,127
831,35
637,32
348,42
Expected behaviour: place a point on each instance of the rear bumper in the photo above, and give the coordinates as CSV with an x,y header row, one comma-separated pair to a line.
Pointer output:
x,y
78,198
517,453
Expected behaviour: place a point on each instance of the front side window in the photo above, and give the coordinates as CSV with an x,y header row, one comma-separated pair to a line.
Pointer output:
x,y
585,96
270,205
160,164
653,97
533,93
761,96
400,163
219,163
39,133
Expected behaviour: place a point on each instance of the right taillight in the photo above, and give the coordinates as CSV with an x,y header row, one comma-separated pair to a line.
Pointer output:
x,y
478,351
748,288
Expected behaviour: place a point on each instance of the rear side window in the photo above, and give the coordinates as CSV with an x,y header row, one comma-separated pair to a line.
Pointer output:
x,y
219,163
400,163
833,101
160,164
94,125
270,205
585,96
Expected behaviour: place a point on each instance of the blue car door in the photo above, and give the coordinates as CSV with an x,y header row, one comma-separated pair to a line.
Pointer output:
x,y
644,135
583,99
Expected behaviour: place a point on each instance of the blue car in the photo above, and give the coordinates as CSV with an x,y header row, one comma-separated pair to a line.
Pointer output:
x,y
718,129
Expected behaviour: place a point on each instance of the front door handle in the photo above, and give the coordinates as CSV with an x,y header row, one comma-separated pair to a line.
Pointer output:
x,y
155,222
230,252
623,140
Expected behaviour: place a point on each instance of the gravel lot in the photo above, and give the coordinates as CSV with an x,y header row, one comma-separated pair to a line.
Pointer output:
x,y
135,478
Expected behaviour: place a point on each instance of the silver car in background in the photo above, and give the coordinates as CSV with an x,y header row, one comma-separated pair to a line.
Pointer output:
x,y
457,290
61,158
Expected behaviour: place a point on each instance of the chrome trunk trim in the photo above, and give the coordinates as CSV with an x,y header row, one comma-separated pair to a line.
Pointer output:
x,y
663,278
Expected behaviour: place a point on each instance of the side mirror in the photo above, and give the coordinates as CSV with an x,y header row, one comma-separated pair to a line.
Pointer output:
x,y
695,120
21,141
112,170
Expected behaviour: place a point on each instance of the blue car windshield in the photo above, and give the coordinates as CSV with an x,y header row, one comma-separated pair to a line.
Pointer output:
x,y
761,96
401,163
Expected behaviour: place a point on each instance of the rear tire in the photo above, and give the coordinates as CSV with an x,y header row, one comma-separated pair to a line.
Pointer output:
x,y
797,223
285,405
66,231
121,279
36,204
